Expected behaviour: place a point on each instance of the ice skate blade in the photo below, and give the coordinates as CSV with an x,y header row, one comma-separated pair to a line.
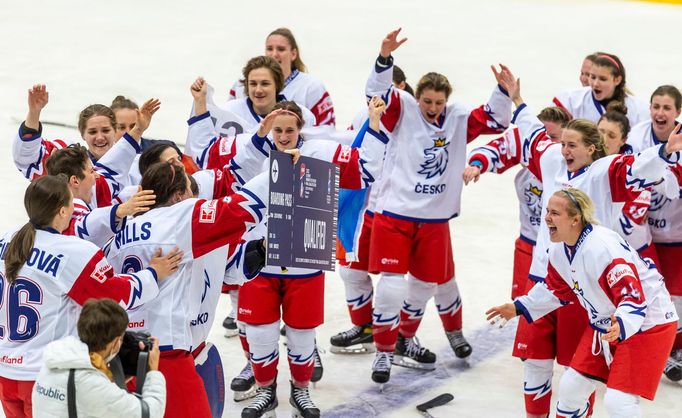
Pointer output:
x,y
246,394
229,333
411,364
365,348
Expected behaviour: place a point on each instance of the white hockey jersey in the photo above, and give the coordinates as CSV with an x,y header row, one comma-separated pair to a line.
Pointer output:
x,y
612,182
581,104
502,153
208,232
44,303
607,277
424,183
301,88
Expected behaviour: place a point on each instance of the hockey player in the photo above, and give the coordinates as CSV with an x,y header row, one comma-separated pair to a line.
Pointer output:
x,y
617,181
97,125
354,270
44,278
209,233
628,306
497,157
607,84
299,86
421,193
585,68
665,213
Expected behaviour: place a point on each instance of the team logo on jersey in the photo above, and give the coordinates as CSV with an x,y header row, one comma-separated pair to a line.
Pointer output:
x,y
274,171
533,195
436,159
618,272
658,201
207,212
99,273
586,303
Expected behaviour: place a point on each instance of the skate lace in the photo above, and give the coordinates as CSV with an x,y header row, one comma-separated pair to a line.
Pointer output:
x,y
317,359
262,399
414,348
382,361
302,398
675,360
351,332
246,373
456,338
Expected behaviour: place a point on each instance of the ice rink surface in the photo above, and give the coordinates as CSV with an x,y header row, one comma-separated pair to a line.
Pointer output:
x,y
88,52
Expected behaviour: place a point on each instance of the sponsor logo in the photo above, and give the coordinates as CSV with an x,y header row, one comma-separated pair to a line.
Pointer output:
x,y
99,273
245,311
521,346
136,324
50,392
225,145
344,154
12,360
389,261
207,212
669,315
617,273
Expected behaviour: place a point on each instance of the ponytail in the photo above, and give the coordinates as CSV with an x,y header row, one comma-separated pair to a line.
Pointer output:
x,y
18,251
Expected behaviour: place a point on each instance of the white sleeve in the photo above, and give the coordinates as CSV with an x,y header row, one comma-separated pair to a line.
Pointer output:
x,y
201,135
115,164
537,303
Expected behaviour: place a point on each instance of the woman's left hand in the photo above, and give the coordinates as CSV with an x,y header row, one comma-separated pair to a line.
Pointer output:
x,y
674,140
144,117
612,332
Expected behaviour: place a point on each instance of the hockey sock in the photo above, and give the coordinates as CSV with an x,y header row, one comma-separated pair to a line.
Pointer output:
x,y
300,350
412,312
390,294
264,344
359,292
243,340
537,386
449,305
620,404
234,295
574,392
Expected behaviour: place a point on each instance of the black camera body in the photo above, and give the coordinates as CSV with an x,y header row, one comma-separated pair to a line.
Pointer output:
x,y
129,354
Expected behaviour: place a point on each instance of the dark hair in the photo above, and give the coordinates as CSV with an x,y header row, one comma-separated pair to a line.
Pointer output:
x,y
95,110
668,90
193,185
43,199
293,108
152,154
166,180
555,114
434,81
590,136
616,112
615,66
122,102
399,77
70,161
593,56
286,32
266,62
100,323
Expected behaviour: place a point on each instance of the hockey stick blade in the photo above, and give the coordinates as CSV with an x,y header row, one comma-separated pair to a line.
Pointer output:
x,y
439,400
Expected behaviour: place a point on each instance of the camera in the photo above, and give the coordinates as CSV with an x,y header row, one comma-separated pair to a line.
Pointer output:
x,y
129,354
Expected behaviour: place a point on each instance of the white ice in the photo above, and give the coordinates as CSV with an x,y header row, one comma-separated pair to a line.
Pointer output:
x,y
88,52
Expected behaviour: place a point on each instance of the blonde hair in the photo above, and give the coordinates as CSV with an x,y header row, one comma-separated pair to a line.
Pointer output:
x,y
297,64
579,204
590,136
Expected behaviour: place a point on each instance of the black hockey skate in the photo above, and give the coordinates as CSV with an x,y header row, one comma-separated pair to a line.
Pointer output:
x,y
381,368
357,340
409,353
230,326
244,385
318,370
459,344
264,404
673,367
302,404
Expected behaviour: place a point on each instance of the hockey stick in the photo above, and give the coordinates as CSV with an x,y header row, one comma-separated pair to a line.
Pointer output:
x,y
47,122
439,400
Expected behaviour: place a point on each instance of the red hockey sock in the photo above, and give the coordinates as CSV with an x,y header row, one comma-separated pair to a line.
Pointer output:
x,y
452,320
361,315
409,324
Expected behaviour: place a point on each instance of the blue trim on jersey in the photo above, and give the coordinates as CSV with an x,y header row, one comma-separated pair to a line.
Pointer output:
x,y
202,157
258,207
49,229
517,111
260,142
290,276
133,143
536,279
575,174
112,218
626,149
249,104
671,160
380,68
597,104
197,118
522,309
502,89
381,136
31,137
291,77
622,328
654,138
153,271
526,239
668,244
166,347
419,220
571,250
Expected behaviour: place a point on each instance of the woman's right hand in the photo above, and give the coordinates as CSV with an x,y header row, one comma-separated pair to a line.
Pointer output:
x,y
154,355
37,100
199,90
472,172
165,265
390,43
266,124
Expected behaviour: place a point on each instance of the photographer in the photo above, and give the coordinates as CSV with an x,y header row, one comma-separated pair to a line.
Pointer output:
x,y
101,327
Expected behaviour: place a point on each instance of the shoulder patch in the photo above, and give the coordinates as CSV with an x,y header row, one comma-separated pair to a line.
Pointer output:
x,y
618,272
207,212
99,273
345,153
